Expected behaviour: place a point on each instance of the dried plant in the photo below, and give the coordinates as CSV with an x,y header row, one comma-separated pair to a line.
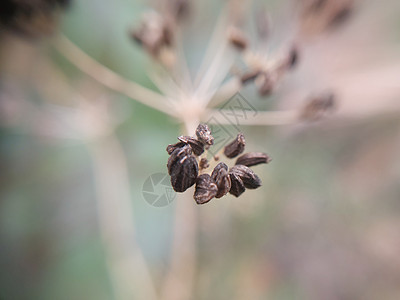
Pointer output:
x,y
191,99
184,163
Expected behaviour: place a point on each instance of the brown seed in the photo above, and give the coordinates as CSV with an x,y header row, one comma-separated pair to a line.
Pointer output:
x,y
222,179
249,178
237,185
197,146
203,133
177,155
235,147
203,164
238,38
252,159
205,189
183,168
172,147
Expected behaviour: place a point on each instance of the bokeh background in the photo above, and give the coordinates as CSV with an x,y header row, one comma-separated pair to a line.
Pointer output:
x,y
324,225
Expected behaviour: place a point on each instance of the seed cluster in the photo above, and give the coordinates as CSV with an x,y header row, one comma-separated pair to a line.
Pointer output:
x,y
184,165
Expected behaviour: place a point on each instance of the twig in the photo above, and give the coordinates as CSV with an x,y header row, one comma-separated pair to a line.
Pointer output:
x,y
109,78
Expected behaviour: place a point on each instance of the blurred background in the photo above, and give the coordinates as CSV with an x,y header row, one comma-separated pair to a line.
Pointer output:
x,y
76,153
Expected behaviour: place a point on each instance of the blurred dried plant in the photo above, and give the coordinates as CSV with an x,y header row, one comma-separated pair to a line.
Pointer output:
x,y
188,100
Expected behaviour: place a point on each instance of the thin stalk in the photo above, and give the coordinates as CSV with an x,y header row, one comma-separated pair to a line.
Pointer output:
x,y
109,78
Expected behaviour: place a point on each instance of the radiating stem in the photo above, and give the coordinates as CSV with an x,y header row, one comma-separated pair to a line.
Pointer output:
x,y
109,78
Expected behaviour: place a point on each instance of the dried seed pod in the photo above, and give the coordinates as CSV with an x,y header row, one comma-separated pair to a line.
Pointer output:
x,y
177,155
237,185
184,173
236,147
172,147
222,179
252,159
203,164
238,38
318,106
183,168
249,178
197,146
203,133
205,189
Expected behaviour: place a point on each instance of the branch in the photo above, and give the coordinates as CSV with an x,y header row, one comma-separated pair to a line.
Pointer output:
x,y
109,78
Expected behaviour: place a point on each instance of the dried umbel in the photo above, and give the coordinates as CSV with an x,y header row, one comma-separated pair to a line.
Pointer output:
x,y
185,161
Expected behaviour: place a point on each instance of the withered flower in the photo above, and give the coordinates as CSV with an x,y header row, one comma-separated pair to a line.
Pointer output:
x,y
205,190
221,177
253,159
235,147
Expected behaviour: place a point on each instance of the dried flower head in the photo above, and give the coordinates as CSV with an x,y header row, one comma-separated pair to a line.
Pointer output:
x,y
185,161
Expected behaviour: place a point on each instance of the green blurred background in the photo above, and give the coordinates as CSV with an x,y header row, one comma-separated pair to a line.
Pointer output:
x,y
324,225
